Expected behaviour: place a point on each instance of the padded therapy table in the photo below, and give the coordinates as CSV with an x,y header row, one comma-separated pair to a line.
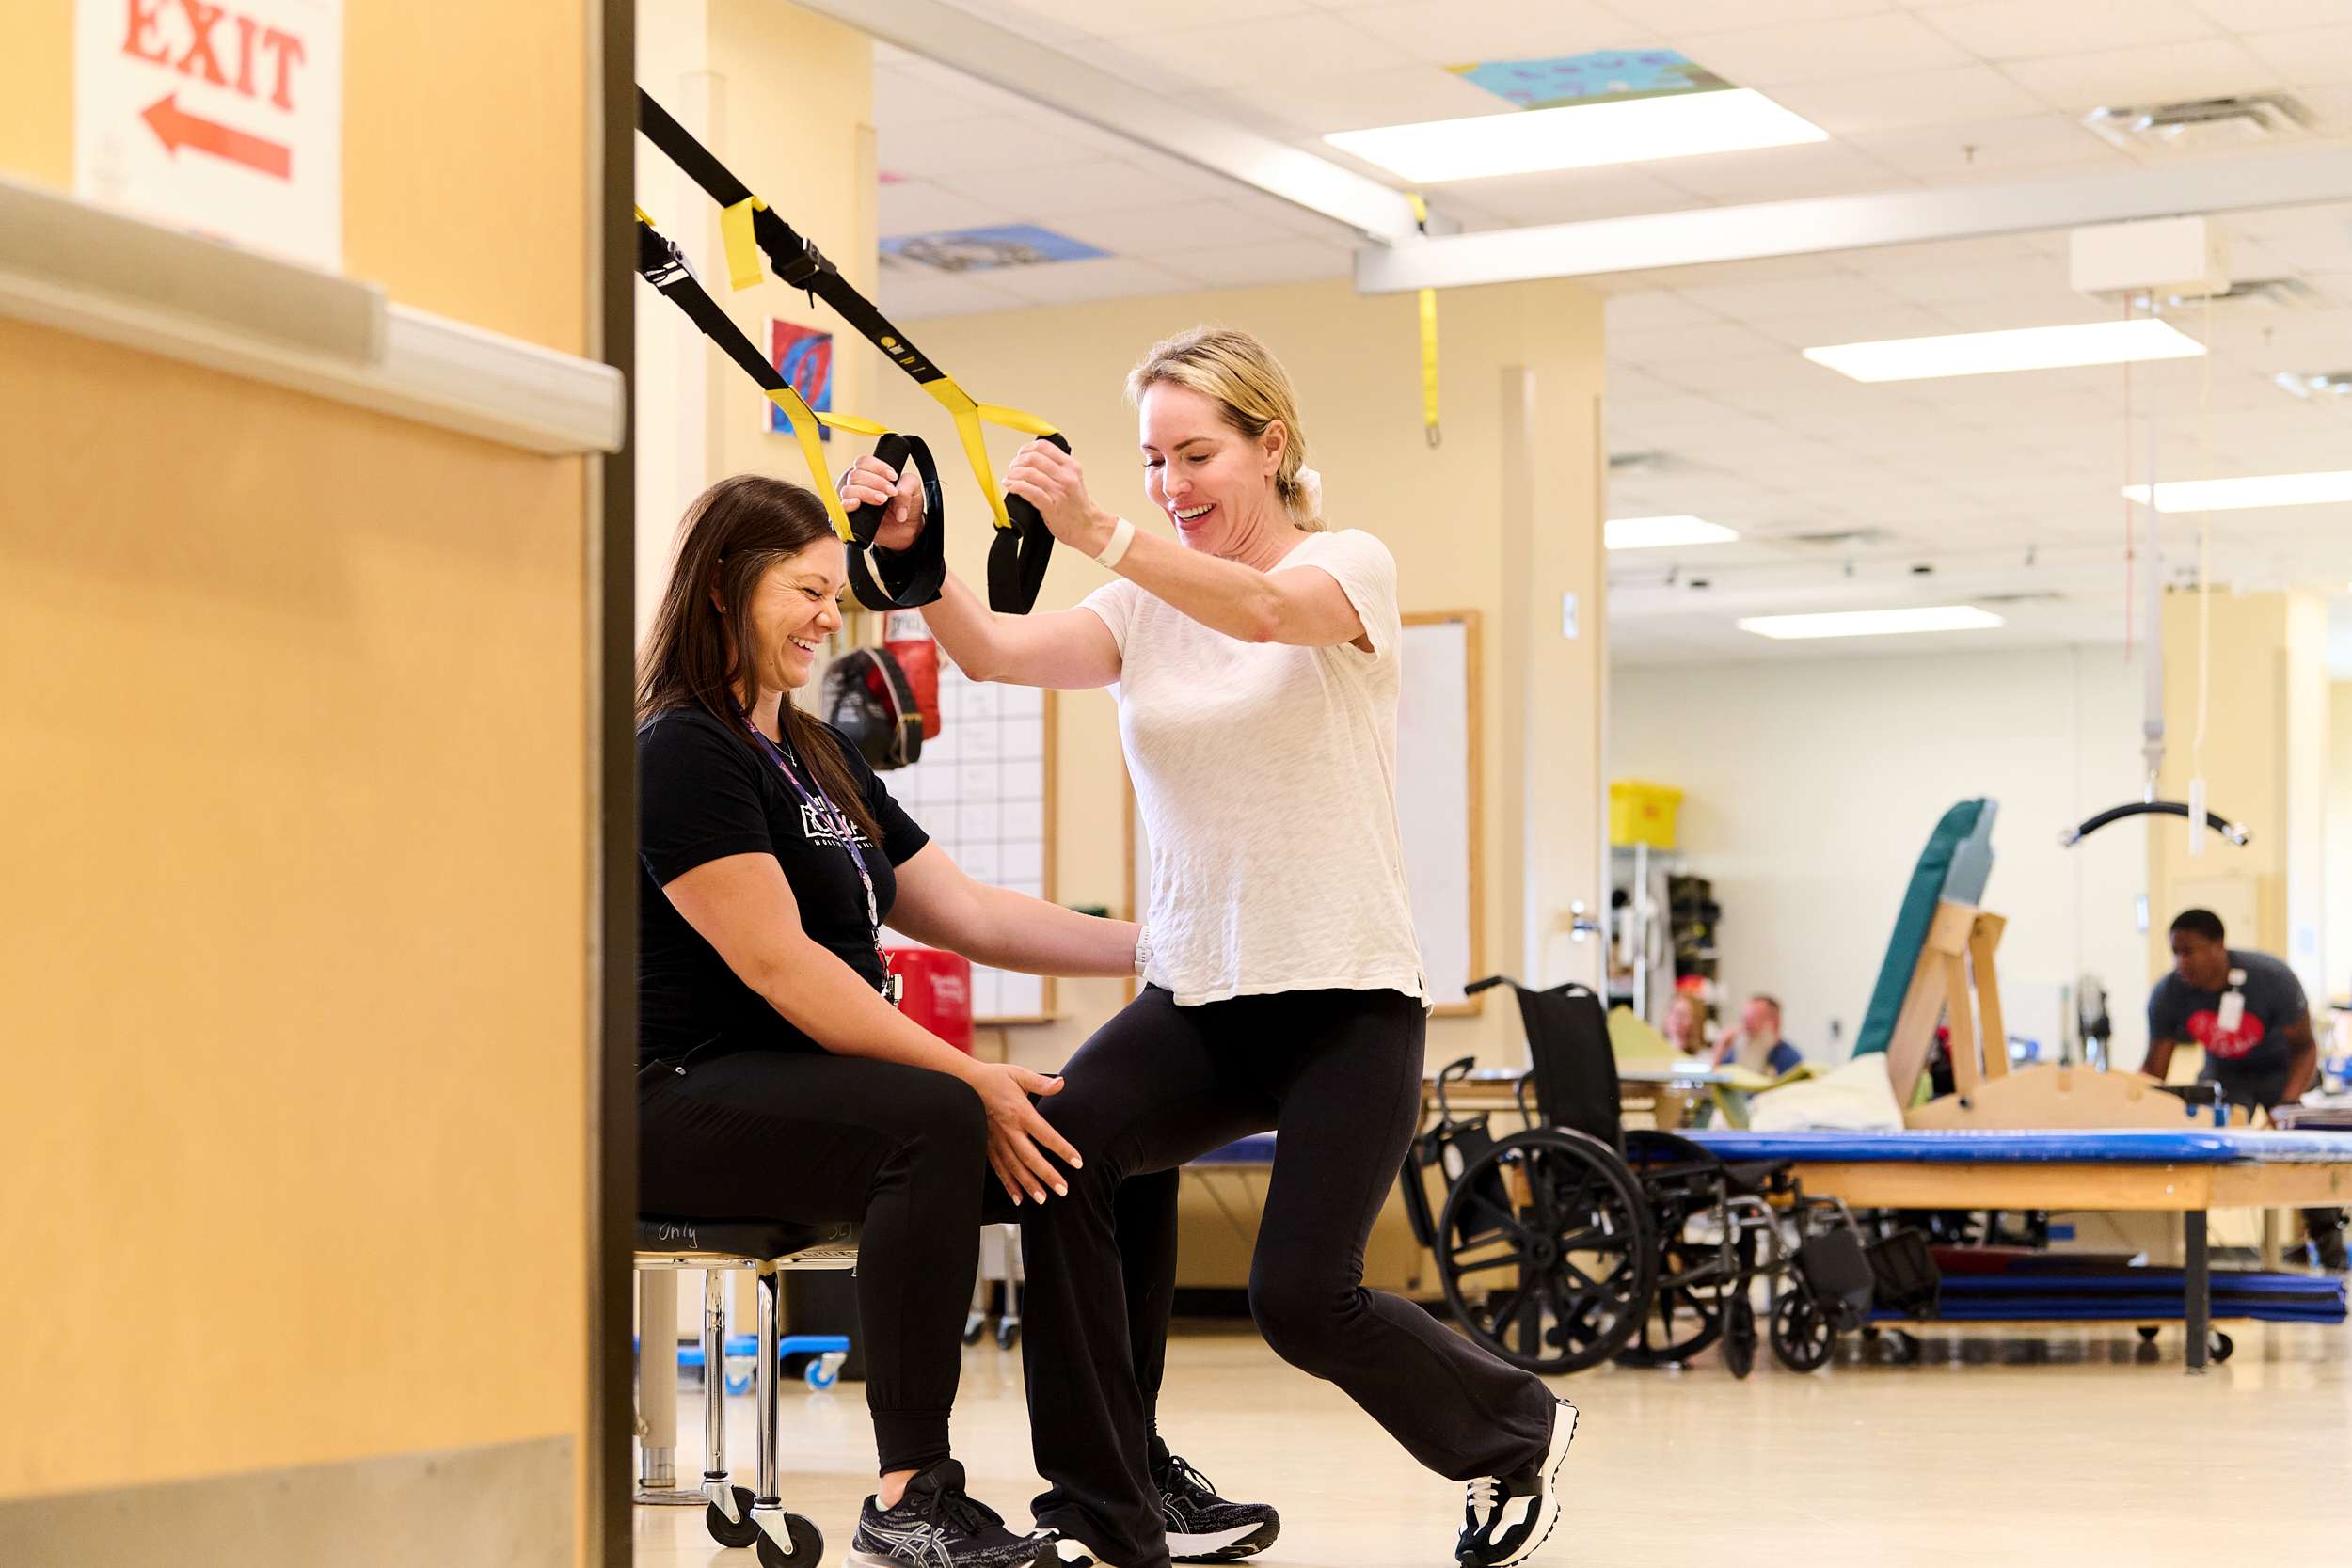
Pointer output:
x,y
2187,1172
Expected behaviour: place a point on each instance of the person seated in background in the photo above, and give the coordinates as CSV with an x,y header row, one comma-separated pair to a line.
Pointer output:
x,y
1685,1025
2246,1010
1755,1041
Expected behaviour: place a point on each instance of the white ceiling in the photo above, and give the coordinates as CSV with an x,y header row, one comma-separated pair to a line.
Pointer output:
x,y
2004,485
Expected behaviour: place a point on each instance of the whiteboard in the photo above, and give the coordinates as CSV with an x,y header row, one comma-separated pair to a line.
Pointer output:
x,y
983,790
1436,805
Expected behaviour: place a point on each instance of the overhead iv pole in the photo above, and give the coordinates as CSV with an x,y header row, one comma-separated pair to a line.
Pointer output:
x,y
2151,717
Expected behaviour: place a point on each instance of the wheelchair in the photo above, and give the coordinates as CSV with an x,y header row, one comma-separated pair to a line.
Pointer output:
x,y
1577,1240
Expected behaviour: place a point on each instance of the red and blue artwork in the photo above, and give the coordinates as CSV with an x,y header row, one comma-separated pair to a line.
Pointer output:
x,y
803,357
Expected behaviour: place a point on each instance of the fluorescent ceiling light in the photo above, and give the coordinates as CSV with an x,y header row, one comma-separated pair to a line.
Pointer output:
x,y
1650,533
1872,622
2032,348
1580,135
2238,494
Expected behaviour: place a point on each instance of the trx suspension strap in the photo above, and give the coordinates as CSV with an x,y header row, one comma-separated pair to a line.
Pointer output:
x,y
1017,558
659,263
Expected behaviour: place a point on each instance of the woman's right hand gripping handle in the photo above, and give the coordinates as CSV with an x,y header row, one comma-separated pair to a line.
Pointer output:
x,y
1015,1131
870,482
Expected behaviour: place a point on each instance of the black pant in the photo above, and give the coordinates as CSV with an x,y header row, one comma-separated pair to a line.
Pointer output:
x,y
809,1138
1337,1075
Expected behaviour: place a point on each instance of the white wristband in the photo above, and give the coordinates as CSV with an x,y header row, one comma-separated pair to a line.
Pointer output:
x,y
1123,535
1143,949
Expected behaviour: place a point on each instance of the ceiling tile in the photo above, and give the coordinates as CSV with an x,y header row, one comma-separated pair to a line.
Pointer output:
x,y
2028,29
1072,282
1684,18
1402,95
1882,43
990,142
1194,225
908,292
1285,260
1859,326
1761,302
1443,32
1101,185
1655,310
2309,55
919,207
2035,144
2265,16
1271,50
904,96
2156,73
1128,17
1912,99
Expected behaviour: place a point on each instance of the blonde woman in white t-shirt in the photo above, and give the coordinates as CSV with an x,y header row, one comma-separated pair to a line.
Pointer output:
x,y
1254,657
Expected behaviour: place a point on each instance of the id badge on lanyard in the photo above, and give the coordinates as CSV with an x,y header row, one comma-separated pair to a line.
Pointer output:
x,y
892,984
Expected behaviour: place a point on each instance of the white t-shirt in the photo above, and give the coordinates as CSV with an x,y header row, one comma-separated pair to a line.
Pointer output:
x,y
1267,778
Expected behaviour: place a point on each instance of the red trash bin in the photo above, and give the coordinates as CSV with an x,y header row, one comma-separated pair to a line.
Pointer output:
x,y
938,991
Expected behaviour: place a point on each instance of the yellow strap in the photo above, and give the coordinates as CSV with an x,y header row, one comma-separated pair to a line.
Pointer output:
x,y
735,228
804,421
642,219
969,415
1429,340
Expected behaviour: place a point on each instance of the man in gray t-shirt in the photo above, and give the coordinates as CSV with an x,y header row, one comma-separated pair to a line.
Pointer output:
x,y
2247,1011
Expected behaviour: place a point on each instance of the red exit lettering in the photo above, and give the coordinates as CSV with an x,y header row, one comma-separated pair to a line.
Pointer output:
x,y
186,36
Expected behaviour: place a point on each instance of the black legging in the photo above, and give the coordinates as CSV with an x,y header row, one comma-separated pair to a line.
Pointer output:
x,y
1337,1075
809,1138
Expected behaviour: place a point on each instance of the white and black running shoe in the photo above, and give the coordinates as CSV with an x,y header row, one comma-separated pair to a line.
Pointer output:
x,y
1504,1518
1205,1528
938,1524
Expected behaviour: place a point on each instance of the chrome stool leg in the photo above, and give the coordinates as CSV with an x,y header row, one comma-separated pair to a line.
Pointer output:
x,y
656,1392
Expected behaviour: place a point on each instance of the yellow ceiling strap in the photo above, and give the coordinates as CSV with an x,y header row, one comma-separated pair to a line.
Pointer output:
x,y
1429,340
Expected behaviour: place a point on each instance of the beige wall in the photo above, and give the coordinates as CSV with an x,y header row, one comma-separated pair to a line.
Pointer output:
x,y
785,100
293,810
2264,761
1488,522
2339,830
1811,785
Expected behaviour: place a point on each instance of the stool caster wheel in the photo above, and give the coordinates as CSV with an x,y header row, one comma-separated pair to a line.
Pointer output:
x,y
2222,1346
1008,1333
824,1371
974,1327
2148,1334
737,1531
807,1545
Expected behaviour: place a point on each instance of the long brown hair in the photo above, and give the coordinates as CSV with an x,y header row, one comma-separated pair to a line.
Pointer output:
x,y
732,534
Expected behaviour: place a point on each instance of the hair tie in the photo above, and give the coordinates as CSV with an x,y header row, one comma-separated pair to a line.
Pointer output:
x,y
1309,503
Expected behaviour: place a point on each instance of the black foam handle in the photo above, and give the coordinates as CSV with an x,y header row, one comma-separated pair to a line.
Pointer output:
x,y
912,577
1018,556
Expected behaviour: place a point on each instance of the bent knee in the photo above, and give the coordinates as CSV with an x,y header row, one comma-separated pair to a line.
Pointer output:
x,y
1298,1313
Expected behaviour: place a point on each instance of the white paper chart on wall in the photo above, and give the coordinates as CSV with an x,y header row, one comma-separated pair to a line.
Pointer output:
x,y
982,792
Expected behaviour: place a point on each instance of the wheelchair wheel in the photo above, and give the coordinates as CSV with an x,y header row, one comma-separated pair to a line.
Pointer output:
x,y
1695,1289
1545,1251
1802,1333
1739,1336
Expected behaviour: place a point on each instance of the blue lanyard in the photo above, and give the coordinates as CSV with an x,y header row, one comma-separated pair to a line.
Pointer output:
x,y
843,828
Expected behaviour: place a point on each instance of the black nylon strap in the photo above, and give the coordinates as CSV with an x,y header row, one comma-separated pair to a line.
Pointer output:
x,y
797,260
912,577
1017,557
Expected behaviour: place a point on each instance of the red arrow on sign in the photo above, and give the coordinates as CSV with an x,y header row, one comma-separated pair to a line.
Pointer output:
x,y
176,128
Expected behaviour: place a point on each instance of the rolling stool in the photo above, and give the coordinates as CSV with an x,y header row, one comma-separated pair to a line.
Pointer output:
x,y
665,1244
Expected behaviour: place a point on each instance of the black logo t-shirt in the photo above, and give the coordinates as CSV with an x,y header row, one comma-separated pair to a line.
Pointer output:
x,y
2250,1060
704,793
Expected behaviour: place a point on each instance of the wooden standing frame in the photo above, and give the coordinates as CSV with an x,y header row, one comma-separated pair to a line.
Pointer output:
x,y
1958,979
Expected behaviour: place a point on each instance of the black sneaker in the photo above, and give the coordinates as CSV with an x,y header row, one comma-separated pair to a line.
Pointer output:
x,y
937,1525
1505,1518
1205,1528
2328,1246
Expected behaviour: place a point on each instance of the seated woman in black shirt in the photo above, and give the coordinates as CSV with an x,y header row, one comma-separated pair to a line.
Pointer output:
x,y
776,1081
